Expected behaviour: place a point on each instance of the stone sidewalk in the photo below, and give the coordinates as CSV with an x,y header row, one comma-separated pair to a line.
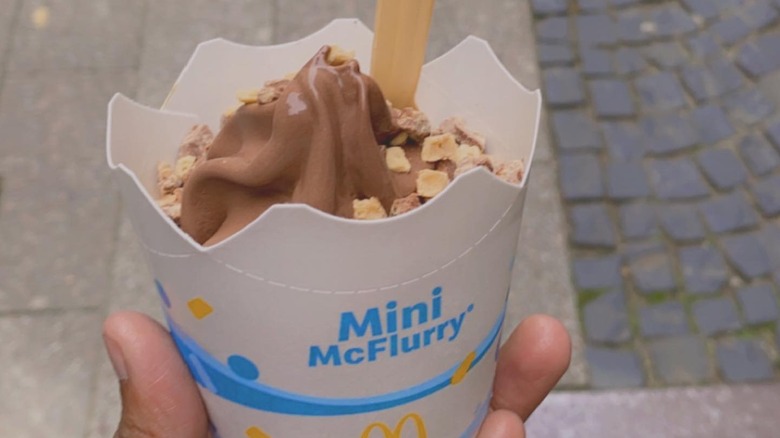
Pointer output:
x,y
68,258
665,116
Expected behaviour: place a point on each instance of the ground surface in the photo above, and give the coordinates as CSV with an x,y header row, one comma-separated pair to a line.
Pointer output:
x,y
68,258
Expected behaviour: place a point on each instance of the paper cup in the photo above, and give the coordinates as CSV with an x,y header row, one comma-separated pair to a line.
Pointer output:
x,y
304,324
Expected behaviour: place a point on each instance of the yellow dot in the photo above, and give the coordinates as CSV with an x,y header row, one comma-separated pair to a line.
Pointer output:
x,y
199,307
256,432
463,369
40,17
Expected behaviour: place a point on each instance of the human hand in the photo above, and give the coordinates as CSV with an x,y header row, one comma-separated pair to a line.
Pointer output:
x,y
161,400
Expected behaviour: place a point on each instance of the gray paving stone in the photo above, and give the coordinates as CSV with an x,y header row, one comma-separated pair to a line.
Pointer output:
x,y
667,133
592,226
662,412
132,284
297,19
596,29
715,79
611,368
676,179
581,177
664,319
548,268
712,123
629,26
777,336
722,168
507,26
760,56
628,61
769,86
627,180
543,7
670,19
55,181
623,3
637,221
680,360
767,195
563,86
681,223
773,132
660,91
595,62
611,98
743,360
703,44
769,236
574,130
758,303
551,54
633,251
714,316
667,55
104,418
8,9
597,272
606,318
758,14
176,32
748,106
553,29
653,273
731,30
132,288
747,255
624,141
48,368
758,154
728,213
703,268
592,5
79,34
706,9
729,5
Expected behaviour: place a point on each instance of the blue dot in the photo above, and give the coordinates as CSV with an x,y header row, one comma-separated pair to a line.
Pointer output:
x,y
437,291
243,367
470,307
162,293
391,305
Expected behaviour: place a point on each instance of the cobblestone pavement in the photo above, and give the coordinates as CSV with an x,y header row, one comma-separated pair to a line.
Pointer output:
x,y
68,258
665,119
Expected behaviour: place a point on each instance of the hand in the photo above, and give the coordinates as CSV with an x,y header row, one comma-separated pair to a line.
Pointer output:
x,y
160,399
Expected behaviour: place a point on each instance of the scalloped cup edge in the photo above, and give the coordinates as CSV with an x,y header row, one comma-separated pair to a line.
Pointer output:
x,y
452,189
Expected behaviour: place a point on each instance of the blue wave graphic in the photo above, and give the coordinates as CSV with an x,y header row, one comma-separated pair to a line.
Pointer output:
x,y
222,381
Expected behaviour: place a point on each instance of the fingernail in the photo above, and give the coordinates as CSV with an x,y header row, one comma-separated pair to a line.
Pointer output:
x,y
116,357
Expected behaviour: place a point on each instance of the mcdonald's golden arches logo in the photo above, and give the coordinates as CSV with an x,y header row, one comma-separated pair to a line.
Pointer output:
x,y
396,432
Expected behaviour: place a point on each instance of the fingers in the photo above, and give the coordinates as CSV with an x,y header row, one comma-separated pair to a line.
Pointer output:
x,y
502,424
530,364
159,397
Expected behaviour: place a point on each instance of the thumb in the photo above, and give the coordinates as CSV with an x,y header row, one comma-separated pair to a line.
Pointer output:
x,y
159,397
502,424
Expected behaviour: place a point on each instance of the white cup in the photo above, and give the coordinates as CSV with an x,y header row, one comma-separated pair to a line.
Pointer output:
x,y
305,324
